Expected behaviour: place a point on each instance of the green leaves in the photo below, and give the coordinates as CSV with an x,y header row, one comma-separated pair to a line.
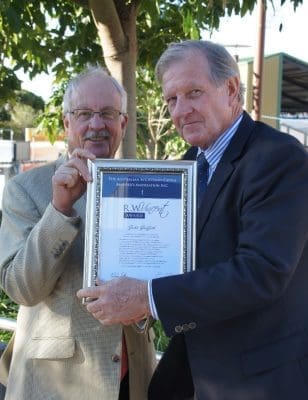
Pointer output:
x,y
60,36
161,340
8,309
37,36
50,121
189,26
156,135
151,12
9,83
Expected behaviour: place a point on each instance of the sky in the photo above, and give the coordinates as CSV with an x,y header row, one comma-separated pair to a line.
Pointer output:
x,y
292,39
239,36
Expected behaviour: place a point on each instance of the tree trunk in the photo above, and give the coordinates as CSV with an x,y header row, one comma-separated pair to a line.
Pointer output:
x,y
116,25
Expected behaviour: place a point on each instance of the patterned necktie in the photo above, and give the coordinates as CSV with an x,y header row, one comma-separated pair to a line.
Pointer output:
x,y
203,174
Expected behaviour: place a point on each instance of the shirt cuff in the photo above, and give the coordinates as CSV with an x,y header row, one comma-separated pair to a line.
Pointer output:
x,y
151,301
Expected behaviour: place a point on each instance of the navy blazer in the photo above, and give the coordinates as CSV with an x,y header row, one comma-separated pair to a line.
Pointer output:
x,y
239,322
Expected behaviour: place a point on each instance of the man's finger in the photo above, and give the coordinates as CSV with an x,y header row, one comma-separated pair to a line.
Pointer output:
x,y
81,167
83,154
90,292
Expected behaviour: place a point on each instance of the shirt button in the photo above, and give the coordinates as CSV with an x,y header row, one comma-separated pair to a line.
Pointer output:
x,y
115,358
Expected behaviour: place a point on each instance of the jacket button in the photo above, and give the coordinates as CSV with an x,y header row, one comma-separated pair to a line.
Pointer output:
x,y
178,329
115,358
192,325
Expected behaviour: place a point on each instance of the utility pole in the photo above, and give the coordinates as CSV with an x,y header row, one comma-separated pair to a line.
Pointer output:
x,y
258,61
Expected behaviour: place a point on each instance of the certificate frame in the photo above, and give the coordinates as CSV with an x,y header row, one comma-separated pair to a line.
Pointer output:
x,y
106,213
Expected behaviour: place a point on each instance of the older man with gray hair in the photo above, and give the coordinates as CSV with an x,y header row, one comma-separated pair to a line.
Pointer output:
x,y
239,321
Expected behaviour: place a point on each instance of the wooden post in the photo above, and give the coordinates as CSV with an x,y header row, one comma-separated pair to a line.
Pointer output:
x,y
258,61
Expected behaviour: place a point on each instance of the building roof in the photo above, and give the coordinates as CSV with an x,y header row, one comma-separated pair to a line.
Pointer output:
x,y
294,93
294,83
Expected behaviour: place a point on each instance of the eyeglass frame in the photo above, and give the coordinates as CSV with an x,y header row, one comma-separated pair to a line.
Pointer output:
x,y
92,113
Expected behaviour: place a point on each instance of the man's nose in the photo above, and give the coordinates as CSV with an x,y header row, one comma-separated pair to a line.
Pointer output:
x,y
181,108
96,122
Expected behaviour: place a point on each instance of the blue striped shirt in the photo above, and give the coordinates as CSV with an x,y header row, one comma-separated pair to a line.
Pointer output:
x,y
213,155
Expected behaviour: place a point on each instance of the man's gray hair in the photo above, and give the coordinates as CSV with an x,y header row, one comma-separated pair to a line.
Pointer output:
x,y
96,72
222,65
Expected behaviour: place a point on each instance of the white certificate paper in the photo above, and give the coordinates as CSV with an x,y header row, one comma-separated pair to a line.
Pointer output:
x,y
142,225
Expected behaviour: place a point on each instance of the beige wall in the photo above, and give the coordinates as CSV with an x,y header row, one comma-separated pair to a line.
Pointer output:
x,y
270,100
271,83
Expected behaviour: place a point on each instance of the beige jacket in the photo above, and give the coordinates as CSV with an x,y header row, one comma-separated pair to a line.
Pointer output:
x,y
60,351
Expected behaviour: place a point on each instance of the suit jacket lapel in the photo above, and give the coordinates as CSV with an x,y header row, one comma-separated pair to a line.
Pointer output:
x,y
224,169
221,175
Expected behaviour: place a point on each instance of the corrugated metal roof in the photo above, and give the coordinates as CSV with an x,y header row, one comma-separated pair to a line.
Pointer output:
x,y
294,91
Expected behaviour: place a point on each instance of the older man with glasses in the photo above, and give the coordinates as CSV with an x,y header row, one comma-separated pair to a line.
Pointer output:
x,y
60,351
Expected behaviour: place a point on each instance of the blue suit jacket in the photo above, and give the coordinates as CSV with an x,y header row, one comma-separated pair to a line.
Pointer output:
x,y
243,314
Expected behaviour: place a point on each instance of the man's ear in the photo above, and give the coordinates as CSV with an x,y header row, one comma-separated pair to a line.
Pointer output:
x,y
234,88
66,123
124,122
65,120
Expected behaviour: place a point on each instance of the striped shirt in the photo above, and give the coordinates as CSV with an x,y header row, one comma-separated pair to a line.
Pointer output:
x,y
213,155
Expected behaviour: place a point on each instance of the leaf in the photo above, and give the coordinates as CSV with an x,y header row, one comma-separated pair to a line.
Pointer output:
x,y
13,19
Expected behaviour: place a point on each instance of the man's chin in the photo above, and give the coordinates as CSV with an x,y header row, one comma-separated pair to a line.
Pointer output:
x,y
100,150
193,139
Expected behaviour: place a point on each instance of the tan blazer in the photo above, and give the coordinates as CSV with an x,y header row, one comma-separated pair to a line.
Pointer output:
x,y
60,350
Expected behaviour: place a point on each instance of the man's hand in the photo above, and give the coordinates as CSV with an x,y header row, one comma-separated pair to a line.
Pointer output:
x,y
70,181
121,300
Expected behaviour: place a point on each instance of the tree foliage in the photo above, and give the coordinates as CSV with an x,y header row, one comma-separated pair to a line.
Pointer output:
x,y
156,135
38,34
43,35
20,111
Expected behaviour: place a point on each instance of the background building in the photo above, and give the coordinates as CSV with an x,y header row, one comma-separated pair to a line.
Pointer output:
x,y
284,93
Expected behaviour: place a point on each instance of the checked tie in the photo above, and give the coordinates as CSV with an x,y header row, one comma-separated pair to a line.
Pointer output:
x,y
203,174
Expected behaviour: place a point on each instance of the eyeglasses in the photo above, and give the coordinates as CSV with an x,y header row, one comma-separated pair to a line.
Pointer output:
x,y
84,115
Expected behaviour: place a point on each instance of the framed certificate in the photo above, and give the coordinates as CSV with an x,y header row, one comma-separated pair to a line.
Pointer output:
x,y
140,219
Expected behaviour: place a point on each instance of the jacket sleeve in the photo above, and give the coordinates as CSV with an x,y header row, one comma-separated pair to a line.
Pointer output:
x,y
32,246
